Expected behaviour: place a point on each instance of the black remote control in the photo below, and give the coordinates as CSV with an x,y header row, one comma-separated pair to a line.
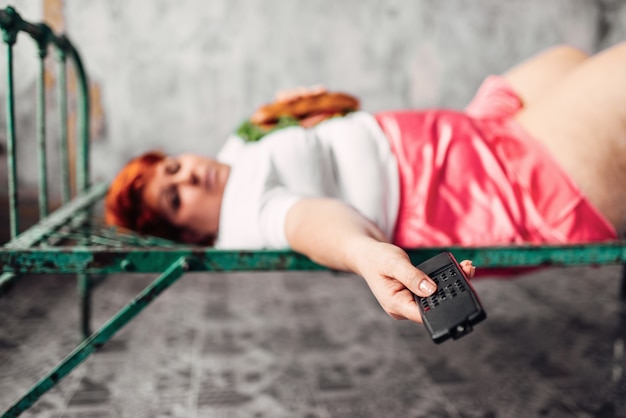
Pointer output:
x,y
454,308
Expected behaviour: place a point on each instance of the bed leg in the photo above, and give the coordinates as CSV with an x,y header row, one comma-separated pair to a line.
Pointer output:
x,y
100,336
84,294
622,293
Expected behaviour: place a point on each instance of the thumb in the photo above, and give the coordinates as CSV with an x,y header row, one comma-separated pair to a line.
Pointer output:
x,y
411,277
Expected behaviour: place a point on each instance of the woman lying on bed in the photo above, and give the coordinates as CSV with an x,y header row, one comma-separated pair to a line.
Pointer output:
x,y
539,156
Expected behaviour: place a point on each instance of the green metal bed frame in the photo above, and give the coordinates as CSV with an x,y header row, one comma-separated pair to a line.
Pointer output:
x,y
72,240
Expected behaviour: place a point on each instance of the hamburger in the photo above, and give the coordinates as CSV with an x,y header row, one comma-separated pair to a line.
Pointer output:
x,y
305,108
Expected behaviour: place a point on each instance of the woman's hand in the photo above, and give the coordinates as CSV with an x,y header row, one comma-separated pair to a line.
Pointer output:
x,y
393,279
291,95
334,234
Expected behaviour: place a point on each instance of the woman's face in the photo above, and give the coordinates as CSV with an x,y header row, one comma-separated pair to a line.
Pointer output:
x,y
187,190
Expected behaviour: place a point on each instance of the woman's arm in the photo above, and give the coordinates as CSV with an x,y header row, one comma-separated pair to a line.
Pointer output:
x,y
333,234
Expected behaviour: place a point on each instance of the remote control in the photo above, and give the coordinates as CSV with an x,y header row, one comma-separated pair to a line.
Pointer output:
x,y
454,308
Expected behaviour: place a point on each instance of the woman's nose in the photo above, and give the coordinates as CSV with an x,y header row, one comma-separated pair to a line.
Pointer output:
x,y
194,179
190,178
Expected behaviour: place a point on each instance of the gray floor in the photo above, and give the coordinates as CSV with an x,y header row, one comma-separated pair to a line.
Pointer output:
x,y
316,345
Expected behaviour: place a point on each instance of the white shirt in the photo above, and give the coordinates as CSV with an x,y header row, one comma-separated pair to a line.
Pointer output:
x,y
346,158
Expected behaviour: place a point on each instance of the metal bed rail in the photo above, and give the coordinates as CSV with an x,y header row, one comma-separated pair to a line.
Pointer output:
x,y
124,259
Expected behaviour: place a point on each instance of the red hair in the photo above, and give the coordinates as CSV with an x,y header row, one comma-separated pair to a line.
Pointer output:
x,y
124,205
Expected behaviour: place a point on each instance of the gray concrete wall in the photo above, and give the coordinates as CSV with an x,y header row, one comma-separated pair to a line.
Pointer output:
x,y
180,75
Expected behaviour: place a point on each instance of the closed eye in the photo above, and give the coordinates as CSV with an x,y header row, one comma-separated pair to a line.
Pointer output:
x,y
172,166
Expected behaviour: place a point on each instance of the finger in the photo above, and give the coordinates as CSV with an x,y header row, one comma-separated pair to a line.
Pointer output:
x,y
468,268
405,307
317,89
281,94
465,263
412,312
413,278
287,95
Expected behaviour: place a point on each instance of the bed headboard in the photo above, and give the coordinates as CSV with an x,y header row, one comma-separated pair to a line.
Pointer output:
x,y
74,178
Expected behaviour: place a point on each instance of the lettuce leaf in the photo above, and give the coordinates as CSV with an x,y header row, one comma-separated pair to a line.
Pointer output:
x,y
251,132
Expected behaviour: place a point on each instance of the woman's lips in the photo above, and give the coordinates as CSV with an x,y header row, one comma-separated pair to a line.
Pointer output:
x,y
210,177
